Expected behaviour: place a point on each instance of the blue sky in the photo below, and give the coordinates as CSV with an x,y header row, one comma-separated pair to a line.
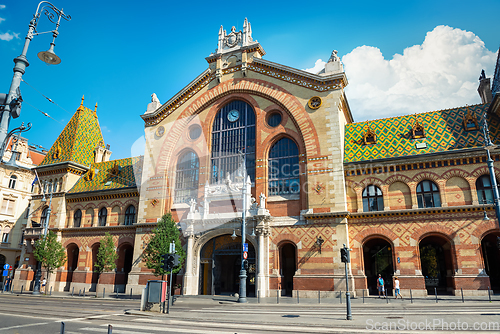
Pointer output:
x,y
117,53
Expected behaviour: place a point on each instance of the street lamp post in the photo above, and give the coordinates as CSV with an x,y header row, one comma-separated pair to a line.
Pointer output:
x,y
243,273
38,275
10,103
489,145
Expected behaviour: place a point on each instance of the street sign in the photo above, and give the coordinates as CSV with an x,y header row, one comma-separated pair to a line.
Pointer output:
x,y
245,247
10,268
245,255
6,266
5,273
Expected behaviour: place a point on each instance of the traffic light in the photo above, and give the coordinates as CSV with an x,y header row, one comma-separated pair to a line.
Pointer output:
x,y
14,105
164,261
245,264
175,260
344,255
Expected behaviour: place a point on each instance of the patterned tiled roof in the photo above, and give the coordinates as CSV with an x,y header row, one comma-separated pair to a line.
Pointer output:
x,y
444,131
78,140
110,175
495,87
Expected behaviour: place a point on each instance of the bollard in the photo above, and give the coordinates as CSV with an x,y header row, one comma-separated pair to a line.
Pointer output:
x,y
386,299
103,292
363,296
319,297
79,292
298,301
72,291
50,292
436,293
22,287
411,297
340,296
489,294
258,296
83,292
278,296
130,293
110,329
462,291
62,327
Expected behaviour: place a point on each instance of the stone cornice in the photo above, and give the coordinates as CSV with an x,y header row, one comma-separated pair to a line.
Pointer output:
x,y
102,195
62,168
69,230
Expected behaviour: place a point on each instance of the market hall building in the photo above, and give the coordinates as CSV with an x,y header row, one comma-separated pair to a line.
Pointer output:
x,y
407,194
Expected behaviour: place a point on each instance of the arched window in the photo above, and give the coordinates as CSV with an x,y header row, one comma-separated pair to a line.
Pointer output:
x,y
103,213
484,190
130,215
428,195
43,218
54,186
12,182
284,168
373,199
233,131
186,178
77,218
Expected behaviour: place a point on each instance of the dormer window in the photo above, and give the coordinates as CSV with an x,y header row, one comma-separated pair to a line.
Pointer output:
x,y
369,137
470,122
418,131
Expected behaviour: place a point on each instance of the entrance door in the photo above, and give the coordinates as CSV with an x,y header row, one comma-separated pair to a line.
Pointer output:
x,y
288,268
377,256
491,254
435,259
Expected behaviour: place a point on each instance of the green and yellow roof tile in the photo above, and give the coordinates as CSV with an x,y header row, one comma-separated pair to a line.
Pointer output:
x,y
110,175
78,140
444,131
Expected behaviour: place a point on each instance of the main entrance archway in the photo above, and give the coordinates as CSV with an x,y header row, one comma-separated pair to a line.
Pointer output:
x,y
220,264
288,266
377,256
72,263
436,263
491,254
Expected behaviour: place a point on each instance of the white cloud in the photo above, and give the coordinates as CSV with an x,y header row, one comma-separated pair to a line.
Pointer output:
x,y
1,19
318,66
2,6
8,36
439,74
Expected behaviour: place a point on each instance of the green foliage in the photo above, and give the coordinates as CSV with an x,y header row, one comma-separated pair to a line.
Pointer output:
x,y
107,255
49,252
165,232
428,256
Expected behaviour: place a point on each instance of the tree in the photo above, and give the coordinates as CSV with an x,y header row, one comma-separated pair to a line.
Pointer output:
x,y
106,255
165,232
49,252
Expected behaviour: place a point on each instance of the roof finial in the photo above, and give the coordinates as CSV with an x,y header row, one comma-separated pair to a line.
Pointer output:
x,y
95,109
83,98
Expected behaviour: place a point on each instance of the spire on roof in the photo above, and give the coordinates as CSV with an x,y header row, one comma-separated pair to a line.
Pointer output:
x,y
78,140
495,87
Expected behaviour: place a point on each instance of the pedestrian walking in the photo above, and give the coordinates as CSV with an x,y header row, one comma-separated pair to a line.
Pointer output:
x,y
380,286
44,282
396,288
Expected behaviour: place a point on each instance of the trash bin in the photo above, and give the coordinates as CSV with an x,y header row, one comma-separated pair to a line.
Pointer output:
x,y
156,291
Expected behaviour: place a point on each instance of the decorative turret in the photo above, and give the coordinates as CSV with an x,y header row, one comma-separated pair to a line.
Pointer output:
x,y
333,66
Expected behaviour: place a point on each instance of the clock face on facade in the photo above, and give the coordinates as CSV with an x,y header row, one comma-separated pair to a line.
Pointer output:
x,y
233,115
160,131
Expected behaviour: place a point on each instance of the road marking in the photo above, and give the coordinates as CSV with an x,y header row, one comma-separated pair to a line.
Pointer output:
x,y
105,330
23,326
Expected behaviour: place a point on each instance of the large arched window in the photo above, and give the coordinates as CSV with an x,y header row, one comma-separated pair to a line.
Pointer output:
x,y
484,190
233,131
103,214
186,178
43,218
284,168
130,215
12,182
373,199
77,218
428,195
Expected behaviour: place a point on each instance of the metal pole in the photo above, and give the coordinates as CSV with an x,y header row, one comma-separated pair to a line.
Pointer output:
x,y
277,296
436,293
22,287
130,293
347,295
462,291
243,273
363,296
103,292
84,292
258,296
50,293
491,168
340,296
62,327
38,275
168,292
110,329
72,291
298,300
319,297
489,294
411,297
